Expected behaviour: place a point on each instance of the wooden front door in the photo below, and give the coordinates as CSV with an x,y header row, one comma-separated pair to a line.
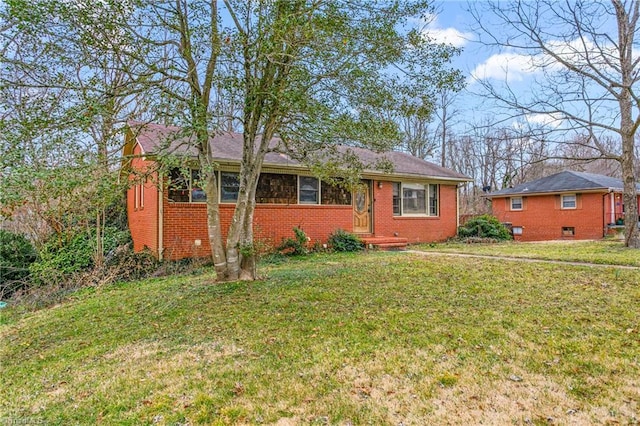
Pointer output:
x,y
362,209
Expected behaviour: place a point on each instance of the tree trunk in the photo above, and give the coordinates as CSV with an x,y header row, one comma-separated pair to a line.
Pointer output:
x,y
241,256
627,126
248,257
630,196
213,221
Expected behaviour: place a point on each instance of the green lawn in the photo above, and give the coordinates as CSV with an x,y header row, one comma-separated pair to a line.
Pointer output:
x,y
603,252
379,338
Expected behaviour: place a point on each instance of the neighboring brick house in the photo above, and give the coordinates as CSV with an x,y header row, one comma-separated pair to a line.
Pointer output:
x,y
566,205
417,202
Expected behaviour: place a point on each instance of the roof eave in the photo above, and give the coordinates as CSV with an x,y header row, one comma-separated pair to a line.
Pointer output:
x,y
556,192
372,174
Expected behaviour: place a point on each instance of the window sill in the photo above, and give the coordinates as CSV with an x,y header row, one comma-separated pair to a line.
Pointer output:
x,y
187,203
413,217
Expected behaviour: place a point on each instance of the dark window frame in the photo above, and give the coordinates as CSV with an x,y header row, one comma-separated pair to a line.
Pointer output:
x,y
186,186
308,199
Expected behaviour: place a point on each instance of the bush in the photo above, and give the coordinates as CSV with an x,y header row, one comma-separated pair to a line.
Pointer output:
x,y
485,226
295,246
124,265
344,241
63,256
16,255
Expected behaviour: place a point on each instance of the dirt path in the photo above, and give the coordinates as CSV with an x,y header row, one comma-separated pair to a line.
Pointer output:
x,y
524,259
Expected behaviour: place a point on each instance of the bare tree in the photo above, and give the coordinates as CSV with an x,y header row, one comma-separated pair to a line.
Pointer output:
x,y
427,129
584,54
418,138
578,154
497,157
445,113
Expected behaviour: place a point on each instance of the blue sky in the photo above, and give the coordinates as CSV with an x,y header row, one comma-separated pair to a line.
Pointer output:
x,y
509,69
454,24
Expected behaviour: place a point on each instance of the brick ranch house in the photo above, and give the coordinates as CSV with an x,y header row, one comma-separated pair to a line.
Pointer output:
x,y
565,205
417,202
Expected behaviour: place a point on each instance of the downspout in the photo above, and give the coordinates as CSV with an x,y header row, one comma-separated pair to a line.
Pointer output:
x,y
604,214
612,213
457,207
160,215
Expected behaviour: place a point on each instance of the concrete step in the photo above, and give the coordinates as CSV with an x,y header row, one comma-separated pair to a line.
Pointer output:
x,y
391,246
385,243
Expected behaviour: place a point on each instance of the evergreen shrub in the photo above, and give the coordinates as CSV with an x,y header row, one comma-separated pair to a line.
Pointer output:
x,y
16,255
341,240
485,226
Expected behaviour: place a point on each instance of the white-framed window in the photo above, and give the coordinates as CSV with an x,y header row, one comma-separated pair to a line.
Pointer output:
x,y
516,230
434,208
569,201
516,203
136,197
415,199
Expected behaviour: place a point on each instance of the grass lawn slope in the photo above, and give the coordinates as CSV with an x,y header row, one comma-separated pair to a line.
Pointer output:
x,y
380,338
602,252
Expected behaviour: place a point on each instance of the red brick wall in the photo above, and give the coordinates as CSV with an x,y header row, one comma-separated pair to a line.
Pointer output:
x,y
185,223
542,218
415,229
143,221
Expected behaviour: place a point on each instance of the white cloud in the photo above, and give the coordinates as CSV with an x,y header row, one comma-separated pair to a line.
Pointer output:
x,y
580,53
505,66
433,31
450,35
554,120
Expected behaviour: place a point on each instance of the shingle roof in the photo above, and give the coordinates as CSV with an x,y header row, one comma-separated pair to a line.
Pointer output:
x,y
563,182
227,146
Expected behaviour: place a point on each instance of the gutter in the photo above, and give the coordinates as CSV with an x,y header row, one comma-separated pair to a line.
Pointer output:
x,y
612,213
457,208
366,174
160,216
558,192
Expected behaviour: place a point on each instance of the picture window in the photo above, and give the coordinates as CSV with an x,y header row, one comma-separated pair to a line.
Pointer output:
x,y
413,199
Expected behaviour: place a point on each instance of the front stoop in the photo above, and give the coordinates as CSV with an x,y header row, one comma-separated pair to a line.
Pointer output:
x,y
385,243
